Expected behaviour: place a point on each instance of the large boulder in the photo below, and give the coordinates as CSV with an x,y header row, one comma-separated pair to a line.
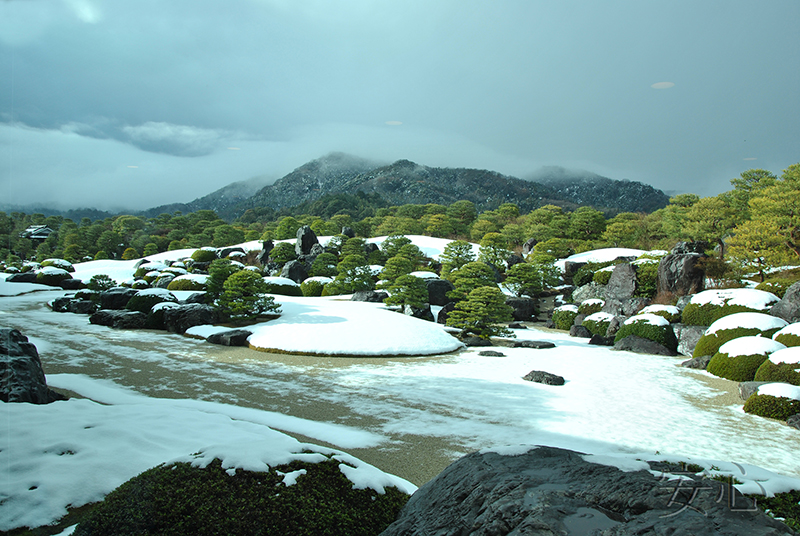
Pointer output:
x,y
423,313
295,270
527,247
547,378
523,309
23,277
437,291
681,273
441,316
306,238
21,374
82,307
591,291
231,337
223,253
119,319
548,491
372,296
789,307
263,255
687,337
622,283
570,269
116,298
178,319
640,345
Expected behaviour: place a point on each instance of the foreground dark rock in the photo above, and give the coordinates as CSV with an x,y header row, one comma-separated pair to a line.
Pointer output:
x,y
687,337
423,313
533,344
21,374
640,345
540,376
372,296
116,298
235,337
182,317
550,491
523,309
437,291
119,319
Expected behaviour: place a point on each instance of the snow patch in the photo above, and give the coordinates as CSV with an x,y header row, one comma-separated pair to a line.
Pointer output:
x,y
758,321
750,345
790,356
783,390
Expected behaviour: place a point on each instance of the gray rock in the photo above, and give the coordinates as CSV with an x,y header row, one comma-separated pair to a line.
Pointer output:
x,y
514,259
116,298
373,296
370,248
538,345
23,277
437,291
119,319
476,341
683,248
589,292
197,297
550,491
681,273
523,309
306,238
579,319
182,317
82,307
613,326
61,305
622,284
580,331
789,307
632,306
794,421
423,313
71,284
527,247
687,337
599,340
612,306
570,269
266,247
747,389
295,270
491,353
682,301
441,316
640,345
517,325
163,280
21,375
540,376
699,363
348,232
225,252
235,337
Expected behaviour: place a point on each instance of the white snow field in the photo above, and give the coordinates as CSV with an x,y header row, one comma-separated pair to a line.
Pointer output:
x,y
144,397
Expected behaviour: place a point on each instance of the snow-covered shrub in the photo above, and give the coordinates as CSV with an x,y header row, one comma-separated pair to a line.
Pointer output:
x,y
777,286
564,316
311,288
738,360
138,284
648,326
670,312
155,317
782,366
175,270
52,276
144,300
597,323
585,273
59,263
590,306
734,326
188,282
148,267
206,254
601,277
302,498
100,282
283,286
775,401
708,306
789,336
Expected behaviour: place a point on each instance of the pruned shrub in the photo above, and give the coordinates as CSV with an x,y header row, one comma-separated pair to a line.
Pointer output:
x,y
564,316
601,277
311,288
772,407
282,286
597,323
648,326
591,306
146,299
181,498
100,282
646,279
777,286
206,254
782,366
671,313
138,284
59,263
52,276
148,267
734,326
188,282
789,336
708,306
739,359
585,273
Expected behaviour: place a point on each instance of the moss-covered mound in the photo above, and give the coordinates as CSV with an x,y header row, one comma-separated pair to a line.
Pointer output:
x,y
146,299
204,255
708,306
772,407
180,499
188,282
734,326
602,277
738,360
283,286
782,366
648,326
789,336
59,263
591,306
564,316
52,276
311,288
669,312
777,286
597,323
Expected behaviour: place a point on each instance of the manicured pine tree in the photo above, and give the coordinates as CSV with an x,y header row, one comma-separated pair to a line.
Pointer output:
x,y
480,313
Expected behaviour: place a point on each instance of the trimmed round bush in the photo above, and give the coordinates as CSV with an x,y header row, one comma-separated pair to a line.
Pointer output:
x,y
777,286
782,366
775,401
52,276
789,336
671,313
597,323
311,288
144,300
283,286
206,254
708,306
188,282
648,326
148,267
138,284
590,306
734,326
179,498
175,270
100,282
564,316
738,359
59,263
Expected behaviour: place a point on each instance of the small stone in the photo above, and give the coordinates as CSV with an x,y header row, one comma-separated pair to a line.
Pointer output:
x,y
491,353
540,376
699,363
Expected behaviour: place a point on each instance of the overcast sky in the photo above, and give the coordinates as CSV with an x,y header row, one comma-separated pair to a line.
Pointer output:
x,y
118,104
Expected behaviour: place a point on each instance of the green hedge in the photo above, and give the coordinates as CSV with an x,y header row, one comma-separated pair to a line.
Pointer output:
x,y
52,277
564,318
781,372
772,407
709,344
777,286
601,277
663,335
787,339
588,307
741,368
311,288
179,499
595,326
707,313
204,255
284,290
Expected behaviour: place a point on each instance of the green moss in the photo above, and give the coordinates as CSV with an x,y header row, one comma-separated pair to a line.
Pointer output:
x,y
646,279
185,284
772,407
311,288
596,327
585,273
777,286
59,263
143,303
204,255
284,290
788,339
180,499
589,307
52,278
661,334
781,372
602,277
709,344
706,314
563,318
741,368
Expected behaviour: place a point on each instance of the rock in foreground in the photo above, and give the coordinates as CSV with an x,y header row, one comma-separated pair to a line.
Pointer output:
x,y
549,491
21,375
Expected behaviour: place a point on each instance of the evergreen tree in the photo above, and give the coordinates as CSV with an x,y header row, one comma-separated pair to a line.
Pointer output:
x,y
455,255
408,290
531,278
395,267
244,297
218,272
480,313
469,277
324,265
493,251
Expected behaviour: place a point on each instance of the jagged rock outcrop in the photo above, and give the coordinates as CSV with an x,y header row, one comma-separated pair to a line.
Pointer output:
x,y
681,272
179,318
119,319
687,337
306,238
789,306
21,375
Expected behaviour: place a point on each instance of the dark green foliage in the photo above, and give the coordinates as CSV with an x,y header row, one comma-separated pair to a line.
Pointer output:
x,y
324,265
663,335
52,278
144,302
353,246
531,278
100,282
589,307
564,318
204,255
741,368
602,277
709,344
408,290
646,279
455,255
772,407
283,290
780,372
185,284
788,339
180,499
707,313
359,205
354,274
777,286
782,505
596,327
311,288
585,273
243,297
392,244
397,266
283,252
218,272
469,277
480,313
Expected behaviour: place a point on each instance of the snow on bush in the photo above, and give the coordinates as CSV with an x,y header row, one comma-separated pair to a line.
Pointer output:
x,y
782,366
789,336
739,359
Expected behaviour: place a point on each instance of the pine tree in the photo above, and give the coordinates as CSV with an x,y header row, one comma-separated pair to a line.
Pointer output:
x,y
469,277
480,313
244,297
408,290
455,255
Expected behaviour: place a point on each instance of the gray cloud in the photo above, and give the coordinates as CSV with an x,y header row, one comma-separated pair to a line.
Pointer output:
x,y
510,86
